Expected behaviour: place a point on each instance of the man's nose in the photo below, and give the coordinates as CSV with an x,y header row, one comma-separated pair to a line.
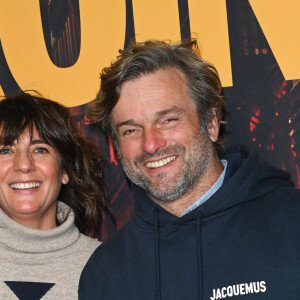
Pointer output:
x,y
153,140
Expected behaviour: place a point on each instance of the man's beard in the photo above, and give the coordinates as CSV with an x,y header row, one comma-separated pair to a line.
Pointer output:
x,y
194,164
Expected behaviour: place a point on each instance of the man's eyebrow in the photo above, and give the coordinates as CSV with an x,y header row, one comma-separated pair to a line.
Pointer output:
x,y
159,114
173,109
127,122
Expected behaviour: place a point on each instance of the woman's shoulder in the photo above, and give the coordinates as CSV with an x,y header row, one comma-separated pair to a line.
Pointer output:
x,y
88,244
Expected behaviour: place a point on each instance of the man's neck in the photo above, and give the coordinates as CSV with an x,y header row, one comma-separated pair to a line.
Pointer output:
x,y
178,206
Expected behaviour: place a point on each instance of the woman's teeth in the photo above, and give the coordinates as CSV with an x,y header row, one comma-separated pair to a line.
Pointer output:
x,y
24,186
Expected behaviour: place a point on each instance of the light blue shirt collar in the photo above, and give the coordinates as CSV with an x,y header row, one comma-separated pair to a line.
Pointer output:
x,y
210,192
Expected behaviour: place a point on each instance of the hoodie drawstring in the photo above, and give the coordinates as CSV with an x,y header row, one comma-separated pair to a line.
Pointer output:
x,y
157,256
199,255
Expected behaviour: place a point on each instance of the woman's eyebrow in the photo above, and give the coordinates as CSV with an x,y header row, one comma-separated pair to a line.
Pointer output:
x,y
36,141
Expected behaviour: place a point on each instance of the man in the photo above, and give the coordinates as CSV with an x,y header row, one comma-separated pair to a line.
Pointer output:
x,y
203,228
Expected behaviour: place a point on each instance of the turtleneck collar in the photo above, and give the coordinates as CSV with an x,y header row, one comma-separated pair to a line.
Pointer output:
x,y
23,239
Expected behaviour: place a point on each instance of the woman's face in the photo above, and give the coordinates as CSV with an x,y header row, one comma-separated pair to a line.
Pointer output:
x,y
30,181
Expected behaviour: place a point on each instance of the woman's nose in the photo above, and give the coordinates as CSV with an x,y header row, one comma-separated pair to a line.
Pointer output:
x,y
23,162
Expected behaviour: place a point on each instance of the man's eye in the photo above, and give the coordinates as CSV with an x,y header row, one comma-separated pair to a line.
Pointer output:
x,y
128,132
5,151
170,120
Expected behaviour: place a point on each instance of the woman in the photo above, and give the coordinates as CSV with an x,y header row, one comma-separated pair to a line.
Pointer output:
x,y
51,188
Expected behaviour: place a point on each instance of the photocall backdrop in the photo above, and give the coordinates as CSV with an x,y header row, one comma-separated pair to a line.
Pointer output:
x,y
59,47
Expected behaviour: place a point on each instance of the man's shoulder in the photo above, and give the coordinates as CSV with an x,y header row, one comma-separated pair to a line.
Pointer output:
x,y
116,244
289,198
278,205
289,194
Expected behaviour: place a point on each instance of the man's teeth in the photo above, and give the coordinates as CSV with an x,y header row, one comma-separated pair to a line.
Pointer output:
x,y
160,163
24,186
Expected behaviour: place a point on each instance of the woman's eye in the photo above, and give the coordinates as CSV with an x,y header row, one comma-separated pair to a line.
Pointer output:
x,y
5,151
41,150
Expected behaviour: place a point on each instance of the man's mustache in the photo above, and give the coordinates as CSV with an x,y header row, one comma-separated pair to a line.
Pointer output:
x,y
176,149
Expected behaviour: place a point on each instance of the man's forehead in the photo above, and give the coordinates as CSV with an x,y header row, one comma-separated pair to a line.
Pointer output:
x,y
167,75
152,95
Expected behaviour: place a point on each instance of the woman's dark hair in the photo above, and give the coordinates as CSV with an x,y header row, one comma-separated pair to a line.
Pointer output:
x,y
86,191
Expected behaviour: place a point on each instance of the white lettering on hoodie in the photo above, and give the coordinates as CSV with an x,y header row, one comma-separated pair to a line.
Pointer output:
x,y
239,289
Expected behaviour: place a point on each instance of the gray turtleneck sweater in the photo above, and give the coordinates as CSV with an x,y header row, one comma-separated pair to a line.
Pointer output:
x,y
42,264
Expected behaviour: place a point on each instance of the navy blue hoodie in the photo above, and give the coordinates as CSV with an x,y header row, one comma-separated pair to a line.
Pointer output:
x,y
243,243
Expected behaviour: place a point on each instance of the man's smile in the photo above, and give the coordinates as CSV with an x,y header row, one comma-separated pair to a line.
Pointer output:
x,y
161,162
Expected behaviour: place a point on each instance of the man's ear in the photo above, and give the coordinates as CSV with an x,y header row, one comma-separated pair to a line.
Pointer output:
x,y
213,127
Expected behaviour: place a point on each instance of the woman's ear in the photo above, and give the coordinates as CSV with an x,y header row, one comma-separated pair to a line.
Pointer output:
x,y
65,178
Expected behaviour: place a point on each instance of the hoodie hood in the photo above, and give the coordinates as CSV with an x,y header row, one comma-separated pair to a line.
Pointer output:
x,y
243,240
247,177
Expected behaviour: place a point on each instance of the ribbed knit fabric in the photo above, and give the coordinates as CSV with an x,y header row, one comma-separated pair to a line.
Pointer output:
x,y
42,264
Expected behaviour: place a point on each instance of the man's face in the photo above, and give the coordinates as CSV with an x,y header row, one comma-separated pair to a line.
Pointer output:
x,y
159,138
